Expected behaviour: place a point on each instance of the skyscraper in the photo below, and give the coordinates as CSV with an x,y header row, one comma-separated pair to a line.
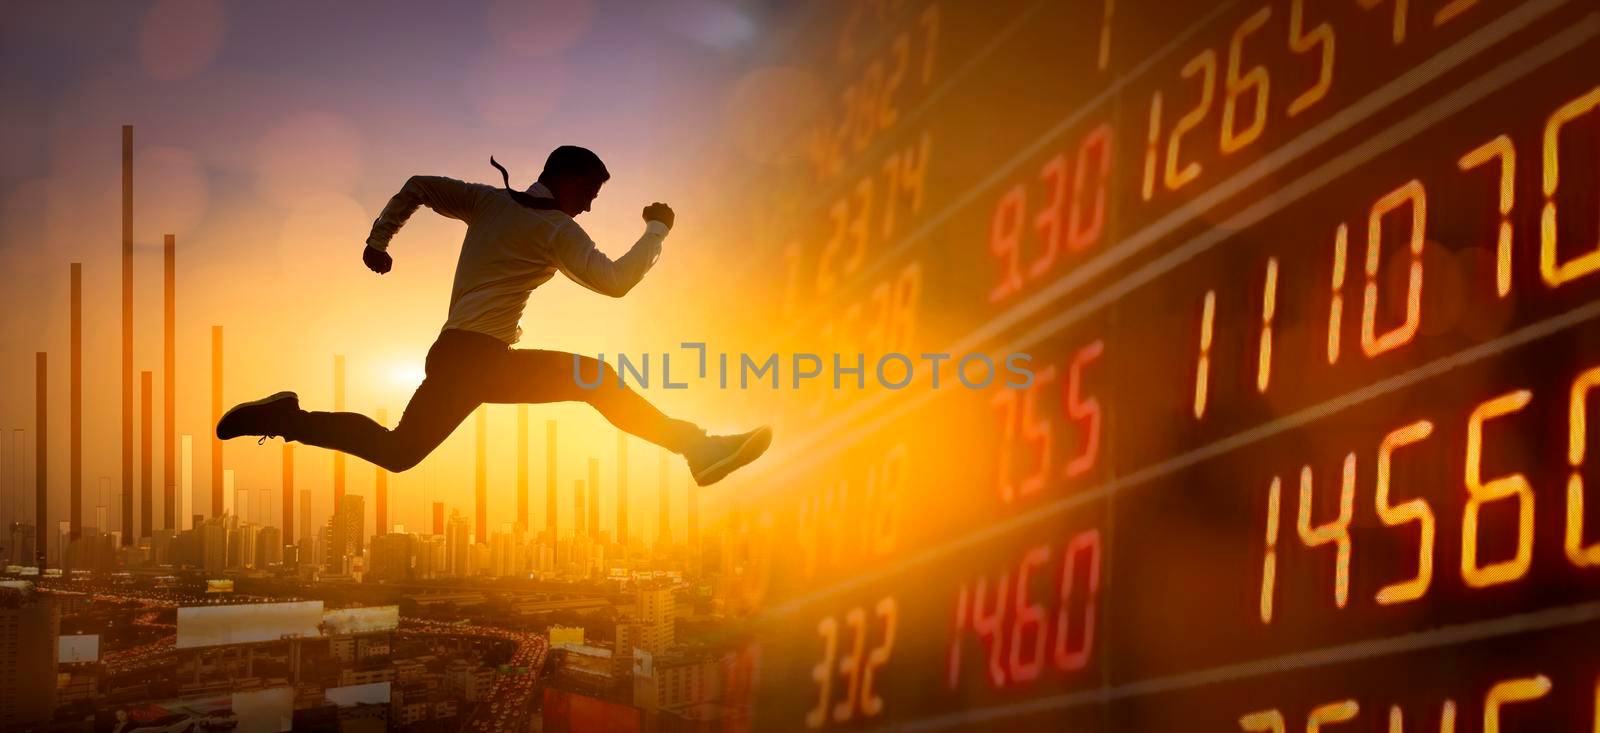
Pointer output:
x,y
30,627
346,529
457,549
657,610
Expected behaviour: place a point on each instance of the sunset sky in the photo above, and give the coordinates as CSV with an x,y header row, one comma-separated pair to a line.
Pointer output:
x,y
267,136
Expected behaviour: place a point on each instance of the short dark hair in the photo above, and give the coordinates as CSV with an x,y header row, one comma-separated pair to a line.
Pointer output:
x,y
569,160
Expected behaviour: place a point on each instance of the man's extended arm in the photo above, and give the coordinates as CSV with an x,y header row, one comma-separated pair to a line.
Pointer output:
x,y
447,196
576,255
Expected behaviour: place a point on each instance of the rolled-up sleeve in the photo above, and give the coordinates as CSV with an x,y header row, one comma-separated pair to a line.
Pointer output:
x,y
577,256
446,196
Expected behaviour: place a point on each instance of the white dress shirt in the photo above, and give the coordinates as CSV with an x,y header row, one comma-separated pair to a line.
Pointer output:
x,y
511,249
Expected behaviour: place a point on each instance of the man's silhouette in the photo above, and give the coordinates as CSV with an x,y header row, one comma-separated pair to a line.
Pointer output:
x,y
515,241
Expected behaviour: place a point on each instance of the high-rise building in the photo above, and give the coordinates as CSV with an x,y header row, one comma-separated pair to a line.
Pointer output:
x,y
214,545
656,609
242,546
347,526
393,556
30,626
269,547
456,547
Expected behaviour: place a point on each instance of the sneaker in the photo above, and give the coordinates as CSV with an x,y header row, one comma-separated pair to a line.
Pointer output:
x,y
265,417
717,456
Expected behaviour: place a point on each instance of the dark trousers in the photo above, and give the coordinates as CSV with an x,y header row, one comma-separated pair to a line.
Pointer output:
x,y
466,369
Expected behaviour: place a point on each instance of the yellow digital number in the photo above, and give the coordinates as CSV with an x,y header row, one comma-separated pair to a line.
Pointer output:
x,y
1202,374
1394,515
1499,149
1414,195
1302,42
1577,438
1336,531
1514,486
1206,66
1507,692
1558,273
1256,79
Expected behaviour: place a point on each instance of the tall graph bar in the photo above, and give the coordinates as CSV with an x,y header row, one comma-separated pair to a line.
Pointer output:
x,y
338,406
75,407
288,493
186,483
622,489
381,484
550,481
127,335
578,510
664,503
146,490
169,388
41,457
522,467
480,490
594,497
216,415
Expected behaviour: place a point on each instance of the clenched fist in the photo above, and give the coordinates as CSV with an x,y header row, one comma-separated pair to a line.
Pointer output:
x,y
659,212
379,261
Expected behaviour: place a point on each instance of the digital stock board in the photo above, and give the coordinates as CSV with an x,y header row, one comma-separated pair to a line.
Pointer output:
x,y
1308,289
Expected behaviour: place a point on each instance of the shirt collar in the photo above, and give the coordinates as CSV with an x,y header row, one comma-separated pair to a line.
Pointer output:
x,y
539,191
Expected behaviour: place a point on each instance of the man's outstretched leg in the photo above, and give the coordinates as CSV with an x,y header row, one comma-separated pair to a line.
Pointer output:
x,y
447,395
529,375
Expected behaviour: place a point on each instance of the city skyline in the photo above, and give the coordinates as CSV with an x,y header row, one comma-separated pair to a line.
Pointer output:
x,y
230,257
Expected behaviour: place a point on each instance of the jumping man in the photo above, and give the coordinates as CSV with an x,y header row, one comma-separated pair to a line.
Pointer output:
x,y
516,240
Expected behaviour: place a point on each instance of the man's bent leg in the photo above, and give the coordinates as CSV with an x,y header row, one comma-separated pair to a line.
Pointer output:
x,y
435,410
533,376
